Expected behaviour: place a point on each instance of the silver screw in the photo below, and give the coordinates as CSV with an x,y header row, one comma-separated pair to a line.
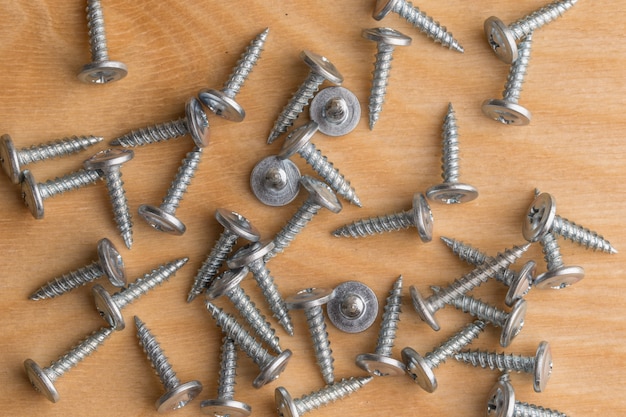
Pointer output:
x,y
386,40
222,102
271,366
502,403
420,369
34,193
299,141
419,216
235,226
177,394
224,404
354,307
451,191
195,123
100,70
320,69
110,306
275,181
540,365
336,110
286,406
558,275
427,307
163,218
43,379
418,19
508,111
109,263
12,159
380,363
503,39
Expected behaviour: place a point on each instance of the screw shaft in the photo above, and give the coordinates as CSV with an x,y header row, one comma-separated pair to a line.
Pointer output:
x,y
97,35
551,251
382,69
455,343
329,394
480,310
376,225
538,18
500,361
212,263
321,343
389,323
68,282
581,235
182,180
56,148
156,356
153,134
288,233
531,410
228,370
245,64
121,214
276,302
71,181
450,147
517,71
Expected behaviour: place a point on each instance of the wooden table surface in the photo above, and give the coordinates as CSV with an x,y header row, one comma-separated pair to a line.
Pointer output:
x,y
574,149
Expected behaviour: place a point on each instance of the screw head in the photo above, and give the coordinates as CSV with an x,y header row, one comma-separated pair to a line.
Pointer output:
x,y
560,278
321,65
222,407
309,298
107,308
250,253
297,139
383,8
284,403
197,122
111,262
419,370
539,217
422,217
178,397
380,365
161,220
222,105
103,72
225,283
506,112
452,193
9,160
31,195
273,369
387,36
422,308
514,323
275,181
237,224
501,400
501,39
336,110
354,307
40,381
321,194
521,283
543,366
109,158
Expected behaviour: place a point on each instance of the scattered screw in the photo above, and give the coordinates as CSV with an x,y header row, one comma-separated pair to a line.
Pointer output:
x,y
354,307
336,110
502,403
275,181
558,275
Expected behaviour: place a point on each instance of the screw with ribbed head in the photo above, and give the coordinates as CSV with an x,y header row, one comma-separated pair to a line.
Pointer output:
x,y
380,363
110,306
299,141
222,102
271,366
275,181
163,218
386,41
177,394
502,403
286,406
235,226
320,69
101,69
427,307
43,379
336,110
420,368
503,39
12,160
540,365
558,275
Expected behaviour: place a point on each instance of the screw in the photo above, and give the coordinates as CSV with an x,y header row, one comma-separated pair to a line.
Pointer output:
x,y
195,123
320,69
418,19
177,395
420,369
271,366
223,102
540,365
235,226
42,379
100,70
295,407
251,256
386,40
13,159
336,110
503,39
354,307
163,218
451,191
299,141
502,403
109,263
34,193
508,111
427,307
380,363
224,404
419,216
557,275
110,306
275,181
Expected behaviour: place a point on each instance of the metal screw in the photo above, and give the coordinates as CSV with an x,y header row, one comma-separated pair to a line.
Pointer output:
x,y
503,39
420,369
508,111
419,216
195,123
320,69
286,406
224,404
380,363
109,263
271,366
235,226
163,218
34,193
100,70
354,307
427,307
43,379
386,40
451,191
12,159
110,306
558,275
540,365
275,181
222,102
419,19
336,110
502,403
177,394
299,141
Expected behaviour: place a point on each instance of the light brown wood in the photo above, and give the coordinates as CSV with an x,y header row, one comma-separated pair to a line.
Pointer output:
x,y
574,148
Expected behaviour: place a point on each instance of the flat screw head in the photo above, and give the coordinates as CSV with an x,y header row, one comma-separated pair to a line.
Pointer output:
x,y
9,160
298,139
423,217
321,65
197,122
285,405
107,308
452,193
543,366
161,220
380,365
387,36
40,380
111,262
419,371
222,105
321,194
354,307
501,39
421,307
178,397
539,217
521,284
31,195
309,298
275,181
223,407
103,72
501,400
559,278
506,112
237,224
273,369
109,158
336,110
514,322
250,253
383,8
228,281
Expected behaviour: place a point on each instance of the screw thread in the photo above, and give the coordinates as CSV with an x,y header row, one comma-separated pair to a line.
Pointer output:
x,y
212,263
581,235
501,361
245,64
56,148
517,71
68,282
182,180
382,69
455,343
288,233
329,394
376,225
450,147
480,310
153,134
156,356
121,214
540,17
276,302
531,410
228,370
97,35
390,319
551,251
321,343
71,181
